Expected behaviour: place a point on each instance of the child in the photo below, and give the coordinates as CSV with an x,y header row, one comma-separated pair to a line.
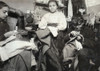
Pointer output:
x,y
50,25
54,20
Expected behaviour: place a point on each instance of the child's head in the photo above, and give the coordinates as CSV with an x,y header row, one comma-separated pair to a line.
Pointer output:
x,y
53,6
77,23
3,10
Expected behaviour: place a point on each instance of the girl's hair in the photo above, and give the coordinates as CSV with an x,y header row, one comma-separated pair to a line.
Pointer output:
x,y
53,1
3,4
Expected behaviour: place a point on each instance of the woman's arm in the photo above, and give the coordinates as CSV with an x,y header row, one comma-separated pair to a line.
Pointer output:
x,y
7,34
10,33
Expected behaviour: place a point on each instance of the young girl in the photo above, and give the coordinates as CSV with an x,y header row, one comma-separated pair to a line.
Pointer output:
x,y
50,26
54,20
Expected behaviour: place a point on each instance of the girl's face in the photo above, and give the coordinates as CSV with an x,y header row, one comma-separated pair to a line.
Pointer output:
x,y
53,7
3,12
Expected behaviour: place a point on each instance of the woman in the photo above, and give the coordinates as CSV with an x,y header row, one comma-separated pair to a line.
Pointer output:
x,y
19,62
50,26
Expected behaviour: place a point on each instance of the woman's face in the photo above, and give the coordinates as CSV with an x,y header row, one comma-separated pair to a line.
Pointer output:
x,y
3,12
53,7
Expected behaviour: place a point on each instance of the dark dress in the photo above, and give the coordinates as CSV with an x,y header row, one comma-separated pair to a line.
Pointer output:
x,y
50,59
21,62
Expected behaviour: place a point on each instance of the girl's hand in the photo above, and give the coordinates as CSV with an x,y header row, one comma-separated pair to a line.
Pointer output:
x,y
28,28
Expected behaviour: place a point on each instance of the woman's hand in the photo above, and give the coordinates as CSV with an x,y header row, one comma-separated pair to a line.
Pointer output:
x,y
10,33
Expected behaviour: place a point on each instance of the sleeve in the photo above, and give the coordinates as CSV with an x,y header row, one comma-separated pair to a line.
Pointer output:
x,y
62,22
43,22
2,37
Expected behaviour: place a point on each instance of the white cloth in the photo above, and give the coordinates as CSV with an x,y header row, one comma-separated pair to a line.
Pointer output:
x,y
15,47
78,45
75,33
57,18
53,30
70,10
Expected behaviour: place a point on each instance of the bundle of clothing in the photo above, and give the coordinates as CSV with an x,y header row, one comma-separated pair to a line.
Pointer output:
x,y
13,46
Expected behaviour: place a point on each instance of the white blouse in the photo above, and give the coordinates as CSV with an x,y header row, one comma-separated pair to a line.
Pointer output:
x,y
57,18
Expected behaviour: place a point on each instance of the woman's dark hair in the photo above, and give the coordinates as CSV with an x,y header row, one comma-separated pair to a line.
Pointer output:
x,y
3,4
53,1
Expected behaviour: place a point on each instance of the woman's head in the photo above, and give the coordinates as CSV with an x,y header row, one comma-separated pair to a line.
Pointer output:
x,y
3,10
53,6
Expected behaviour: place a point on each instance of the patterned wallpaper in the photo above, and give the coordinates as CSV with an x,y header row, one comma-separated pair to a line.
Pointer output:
x,y
21,4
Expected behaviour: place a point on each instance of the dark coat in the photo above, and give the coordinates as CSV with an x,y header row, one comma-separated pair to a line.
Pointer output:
x,y
89,36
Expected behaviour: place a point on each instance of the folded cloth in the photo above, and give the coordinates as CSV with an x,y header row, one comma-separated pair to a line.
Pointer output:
x,y
44,37
33,61
15,47
70,48
53,30
69,51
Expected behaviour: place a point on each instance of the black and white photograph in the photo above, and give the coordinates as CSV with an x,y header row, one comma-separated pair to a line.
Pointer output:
x,y
49,35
